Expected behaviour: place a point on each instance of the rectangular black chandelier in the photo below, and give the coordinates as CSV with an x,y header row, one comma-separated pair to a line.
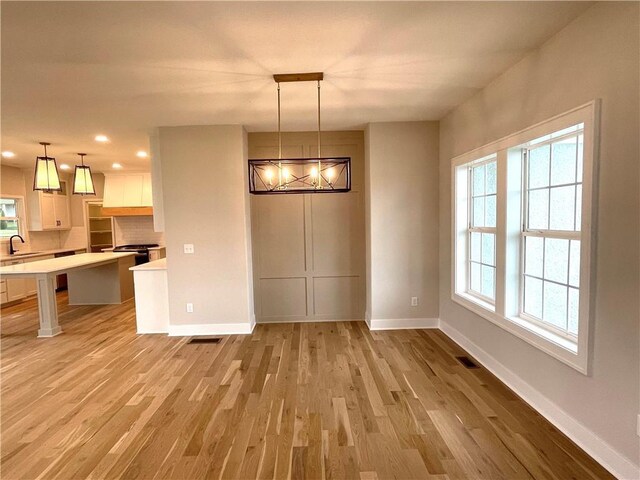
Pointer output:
x,y
300,175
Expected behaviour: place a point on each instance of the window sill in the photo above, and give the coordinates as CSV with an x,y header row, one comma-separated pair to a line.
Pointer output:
x,y
554,345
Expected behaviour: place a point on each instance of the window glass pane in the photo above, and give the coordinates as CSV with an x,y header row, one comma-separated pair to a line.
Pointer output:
x,y
475,246
478,212
556,259
574,263
580,158
475,277
8,228
478,180
490,205
533,296
488,248
488,280
563,161
562,212
539,209
559,133
579,208
574,308
491,183
539,166
555,305
8,207
533,255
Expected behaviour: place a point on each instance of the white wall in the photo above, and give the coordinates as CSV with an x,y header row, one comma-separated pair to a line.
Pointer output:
x,y
206,203
401,164
596,56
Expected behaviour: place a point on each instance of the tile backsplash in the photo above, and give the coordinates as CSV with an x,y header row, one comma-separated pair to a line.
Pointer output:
x,y
134,230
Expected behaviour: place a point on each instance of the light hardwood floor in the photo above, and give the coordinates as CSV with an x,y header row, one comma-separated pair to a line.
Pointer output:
x,y
316,400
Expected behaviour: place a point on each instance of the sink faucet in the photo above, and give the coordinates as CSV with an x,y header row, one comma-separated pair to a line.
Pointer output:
x,y
11,249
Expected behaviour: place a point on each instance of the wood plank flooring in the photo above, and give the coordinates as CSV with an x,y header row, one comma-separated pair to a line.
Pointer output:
x,y
299,401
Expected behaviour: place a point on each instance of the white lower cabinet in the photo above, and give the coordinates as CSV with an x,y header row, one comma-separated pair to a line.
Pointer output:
x,y
13,289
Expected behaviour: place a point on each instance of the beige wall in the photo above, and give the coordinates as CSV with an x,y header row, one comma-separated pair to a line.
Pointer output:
x,y
309,248
596,56
206,203
401,165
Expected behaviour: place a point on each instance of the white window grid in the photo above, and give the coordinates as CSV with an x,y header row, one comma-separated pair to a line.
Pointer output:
x,y
15,218
570,235
480,230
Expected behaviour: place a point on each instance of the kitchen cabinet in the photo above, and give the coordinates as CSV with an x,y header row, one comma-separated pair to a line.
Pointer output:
x,y
127,190
12,289
48,211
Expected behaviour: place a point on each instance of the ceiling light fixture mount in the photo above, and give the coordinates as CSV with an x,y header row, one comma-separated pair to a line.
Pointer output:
x,y
82,179
299,175
46,177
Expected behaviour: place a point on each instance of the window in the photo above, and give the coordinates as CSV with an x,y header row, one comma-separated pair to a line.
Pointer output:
x,y
9,217
482,230
522,233
551,234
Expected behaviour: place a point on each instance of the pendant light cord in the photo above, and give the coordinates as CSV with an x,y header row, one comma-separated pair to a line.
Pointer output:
x,y
319,155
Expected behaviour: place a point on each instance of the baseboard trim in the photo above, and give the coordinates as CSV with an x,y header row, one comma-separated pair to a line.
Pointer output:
x,y
190,330
601,451
402,323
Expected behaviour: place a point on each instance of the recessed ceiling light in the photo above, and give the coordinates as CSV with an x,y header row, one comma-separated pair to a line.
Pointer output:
x,y
141,154
8,154
101,138
64,166
116,166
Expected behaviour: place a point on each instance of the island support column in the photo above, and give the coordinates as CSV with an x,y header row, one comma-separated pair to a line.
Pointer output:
x,y
47,306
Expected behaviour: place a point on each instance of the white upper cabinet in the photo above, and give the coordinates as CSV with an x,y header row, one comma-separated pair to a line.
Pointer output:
x,y
48,211
129,190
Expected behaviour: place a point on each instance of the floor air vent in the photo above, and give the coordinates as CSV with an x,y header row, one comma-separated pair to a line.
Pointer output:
x,y
204,340
467,362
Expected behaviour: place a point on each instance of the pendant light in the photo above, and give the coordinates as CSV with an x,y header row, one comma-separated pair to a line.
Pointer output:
x,y
46,176
82,179
299,175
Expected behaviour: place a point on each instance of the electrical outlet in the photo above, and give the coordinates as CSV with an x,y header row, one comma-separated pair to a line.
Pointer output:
x,y
189,307
414,301
188,248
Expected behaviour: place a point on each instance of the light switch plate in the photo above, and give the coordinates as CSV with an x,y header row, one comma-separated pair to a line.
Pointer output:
x,y
188,248
189,307
414,301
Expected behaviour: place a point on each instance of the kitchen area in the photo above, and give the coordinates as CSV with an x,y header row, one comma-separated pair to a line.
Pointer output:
x,y
78,243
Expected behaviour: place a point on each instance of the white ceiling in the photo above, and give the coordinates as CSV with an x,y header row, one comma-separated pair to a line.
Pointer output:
x,y
71,70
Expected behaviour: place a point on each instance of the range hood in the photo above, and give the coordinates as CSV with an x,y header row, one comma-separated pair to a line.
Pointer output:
x,y
127,195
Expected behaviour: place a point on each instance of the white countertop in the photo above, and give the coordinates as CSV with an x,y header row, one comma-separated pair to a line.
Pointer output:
x,y
42,253
62,264
150,266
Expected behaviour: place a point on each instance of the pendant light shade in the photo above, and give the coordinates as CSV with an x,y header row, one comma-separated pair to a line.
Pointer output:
x,y
46,176
82,179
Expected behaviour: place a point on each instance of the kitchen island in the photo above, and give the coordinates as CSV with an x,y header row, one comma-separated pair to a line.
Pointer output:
x,y
93,279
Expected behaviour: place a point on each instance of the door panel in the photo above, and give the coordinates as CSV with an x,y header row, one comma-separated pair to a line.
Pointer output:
x,y
336,297
335,228
279,235
283,297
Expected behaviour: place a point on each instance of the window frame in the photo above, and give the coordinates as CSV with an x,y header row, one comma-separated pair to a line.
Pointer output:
x,y
481,230
510,225
20,207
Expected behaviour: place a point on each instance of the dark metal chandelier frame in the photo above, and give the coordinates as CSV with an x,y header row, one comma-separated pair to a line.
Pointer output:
x,y
299,175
